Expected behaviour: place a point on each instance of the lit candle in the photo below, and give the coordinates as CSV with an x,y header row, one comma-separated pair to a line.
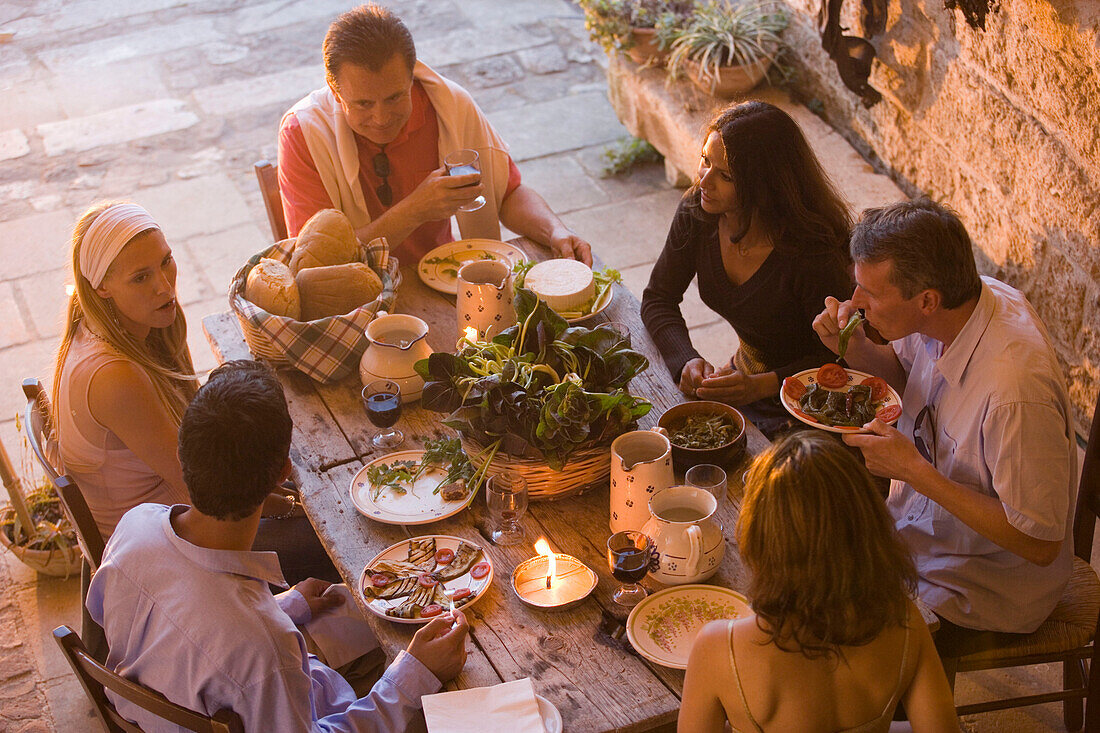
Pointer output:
x,y
542,547
550,580
469,337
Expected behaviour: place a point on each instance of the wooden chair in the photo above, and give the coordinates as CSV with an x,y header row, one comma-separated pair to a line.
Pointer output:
x,y
96,679
1070,633
267,173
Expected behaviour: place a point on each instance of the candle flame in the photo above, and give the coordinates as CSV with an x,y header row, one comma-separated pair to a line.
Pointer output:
x,y
542,547
471,333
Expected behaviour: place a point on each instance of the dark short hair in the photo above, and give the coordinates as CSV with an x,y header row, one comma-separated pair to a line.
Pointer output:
x,y
234,440
927,247
828,569
368,36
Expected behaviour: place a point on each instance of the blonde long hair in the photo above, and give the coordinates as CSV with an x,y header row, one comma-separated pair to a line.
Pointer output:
x,y
163,355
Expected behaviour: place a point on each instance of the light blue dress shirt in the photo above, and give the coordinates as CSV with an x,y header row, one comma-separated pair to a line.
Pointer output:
x,y
1000,425
202,627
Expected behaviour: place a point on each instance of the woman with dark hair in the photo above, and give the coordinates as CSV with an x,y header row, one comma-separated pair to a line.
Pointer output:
x,y
766,233
834,643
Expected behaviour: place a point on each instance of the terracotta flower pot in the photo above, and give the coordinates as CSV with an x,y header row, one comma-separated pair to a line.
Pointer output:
x,y
732,80
645,49
58,563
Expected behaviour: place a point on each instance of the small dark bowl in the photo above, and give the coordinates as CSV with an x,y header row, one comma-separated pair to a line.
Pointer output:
x,y
726,455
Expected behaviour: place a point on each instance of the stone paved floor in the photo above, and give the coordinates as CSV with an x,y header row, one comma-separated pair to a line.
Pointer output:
x,y
169,102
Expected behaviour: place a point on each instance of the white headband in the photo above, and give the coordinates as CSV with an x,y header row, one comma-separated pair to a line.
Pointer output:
x,y
106,237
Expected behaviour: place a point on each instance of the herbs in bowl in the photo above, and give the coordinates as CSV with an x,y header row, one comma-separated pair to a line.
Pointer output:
x,y
704,432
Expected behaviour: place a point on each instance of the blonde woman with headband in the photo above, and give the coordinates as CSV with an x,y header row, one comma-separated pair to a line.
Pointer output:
x,y
124,377
834,644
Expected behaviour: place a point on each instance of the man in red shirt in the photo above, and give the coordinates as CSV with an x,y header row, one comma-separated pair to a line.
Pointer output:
x,y
372,142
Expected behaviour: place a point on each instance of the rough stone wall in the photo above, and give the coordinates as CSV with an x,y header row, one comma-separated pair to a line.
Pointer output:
x,y
1002,124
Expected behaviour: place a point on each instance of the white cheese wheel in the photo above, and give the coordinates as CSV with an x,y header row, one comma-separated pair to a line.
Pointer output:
x,y
565,285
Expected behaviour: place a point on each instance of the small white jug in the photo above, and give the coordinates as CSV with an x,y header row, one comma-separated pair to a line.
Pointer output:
x,y
641,466
397,342
484,298
685,533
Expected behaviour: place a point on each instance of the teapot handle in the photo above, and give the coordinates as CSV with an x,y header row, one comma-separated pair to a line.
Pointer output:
x,y
380,313
695,543
660,430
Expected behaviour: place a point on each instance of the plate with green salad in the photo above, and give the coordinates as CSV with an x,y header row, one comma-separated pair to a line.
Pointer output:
x,y
439,268
416,486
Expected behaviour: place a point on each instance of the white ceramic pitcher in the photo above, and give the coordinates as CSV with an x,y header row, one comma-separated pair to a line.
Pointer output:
x,y
641,465
397,341
687,536
484,298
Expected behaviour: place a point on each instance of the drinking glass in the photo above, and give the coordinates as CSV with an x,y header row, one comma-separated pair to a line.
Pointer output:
x,y
630,554
461,163
710,477
382,402
506,498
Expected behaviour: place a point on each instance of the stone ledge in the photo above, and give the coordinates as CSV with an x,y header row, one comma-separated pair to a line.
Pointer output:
x,y
672,116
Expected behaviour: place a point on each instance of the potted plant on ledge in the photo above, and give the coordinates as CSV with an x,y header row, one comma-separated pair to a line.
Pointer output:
x,y
642,29
727,48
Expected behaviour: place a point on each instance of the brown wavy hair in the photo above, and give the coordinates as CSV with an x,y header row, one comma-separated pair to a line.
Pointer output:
x,y
828,570
779,182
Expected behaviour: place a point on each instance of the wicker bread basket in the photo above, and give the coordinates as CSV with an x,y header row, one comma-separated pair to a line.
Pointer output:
x,y
587,467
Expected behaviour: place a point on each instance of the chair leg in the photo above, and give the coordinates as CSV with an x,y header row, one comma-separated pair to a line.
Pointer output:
x,y
1073,676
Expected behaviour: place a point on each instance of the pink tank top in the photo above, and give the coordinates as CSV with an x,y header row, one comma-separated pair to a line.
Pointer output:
x,y
112,479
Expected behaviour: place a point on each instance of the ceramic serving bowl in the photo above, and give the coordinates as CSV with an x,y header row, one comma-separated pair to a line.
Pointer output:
x,y
725,455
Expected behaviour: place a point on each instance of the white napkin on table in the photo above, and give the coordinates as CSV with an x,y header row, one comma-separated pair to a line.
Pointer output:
x,y
505,708
341,633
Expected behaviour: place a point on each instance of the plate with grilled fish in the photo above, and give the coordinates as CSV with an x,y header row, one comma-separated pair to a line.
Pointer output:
x,y
415,580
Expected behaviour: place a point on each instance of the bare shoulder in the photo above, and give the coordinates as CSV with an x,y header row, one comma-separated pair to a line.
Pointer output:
x,y
118,386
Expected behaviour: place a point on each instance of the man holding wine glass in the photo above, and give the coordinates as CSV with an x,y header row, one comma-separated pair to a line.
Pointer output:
x,y
373,143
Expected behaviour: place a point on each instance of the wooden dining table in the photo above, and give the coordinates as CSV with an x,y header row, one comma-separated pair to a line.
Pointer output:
x,y
579,658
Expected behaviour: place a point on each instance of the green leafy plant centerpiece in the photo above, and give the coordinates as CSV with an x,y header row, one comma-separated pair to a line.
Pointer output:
x,y
541,389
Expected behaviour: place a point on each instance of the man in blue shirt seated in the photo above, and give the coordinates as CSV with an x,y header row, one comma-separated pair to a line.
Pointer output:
x,y
185,603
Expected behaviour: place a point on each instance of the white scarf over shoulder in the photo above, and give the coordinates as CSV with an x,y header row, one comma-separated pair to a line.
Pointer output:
x,y
332,146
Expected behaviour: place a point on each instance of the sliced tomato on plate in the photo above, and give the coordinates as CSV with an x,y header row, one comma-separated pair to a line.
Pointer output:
x,y
444,556
430,610
879,388
461,593
427,580
832,376
381,580
480,570
889,414
804,416
794,389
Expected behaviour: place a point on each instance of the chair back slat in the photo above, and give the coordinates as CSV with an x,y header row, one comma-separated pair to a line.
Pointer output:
x,y
1088,494
96,679
87,531
38,425
267,174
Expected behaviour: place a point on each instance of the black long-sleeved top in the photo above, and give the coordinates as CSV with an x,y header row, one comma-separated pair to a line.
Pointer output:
x,y
772,311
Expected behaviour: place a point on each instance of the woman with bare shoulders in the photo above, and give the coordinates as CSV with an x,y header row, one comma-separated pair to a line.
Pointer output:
x,y
124,376
835,643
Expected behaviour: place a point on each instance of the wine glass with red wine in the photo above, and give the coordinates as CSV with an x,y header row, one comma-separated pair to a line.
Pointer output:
x,y
630,554
382,401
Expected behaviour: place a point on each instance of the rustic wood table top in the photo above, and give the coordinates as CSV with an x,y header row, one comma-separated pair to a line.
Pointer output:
x,y
578,658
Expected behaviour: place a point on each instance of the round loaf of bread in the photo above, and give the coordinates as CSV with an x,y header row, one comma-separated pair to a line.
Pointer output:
x,y
565,285
271,286
336,289
326,239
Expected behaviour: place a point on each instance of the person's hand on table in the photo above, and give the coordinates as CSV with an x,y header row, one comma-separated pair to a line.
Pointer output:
x,y
886,451
733,387
564,244
693,374
441,648
313,590
828,323
439,195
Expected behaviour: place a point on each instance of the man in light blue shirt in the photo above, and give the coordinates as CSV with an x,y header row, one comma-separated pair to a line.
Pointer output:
x,y
185,603
983,459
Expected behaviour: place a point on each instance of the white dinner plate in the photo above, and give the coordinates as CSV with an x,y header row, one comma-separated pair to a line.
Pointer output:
x,y
439,268
663,627
809,376
599,307
400,551
418,505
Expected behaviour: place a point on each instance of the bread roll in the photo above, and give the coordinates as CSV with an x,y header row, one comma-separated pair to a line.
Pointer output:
x,y
271,286
326,239
336,289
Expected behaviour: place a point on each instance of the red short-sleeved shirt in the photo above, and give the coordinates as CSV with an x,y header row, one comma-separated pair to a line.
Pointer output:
x,y
413,154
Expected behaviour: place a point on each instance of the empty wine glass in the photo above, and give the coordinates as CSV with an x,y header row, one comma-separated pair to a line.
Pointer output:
x,y
461,163
382,402
710,477
630,554
506,498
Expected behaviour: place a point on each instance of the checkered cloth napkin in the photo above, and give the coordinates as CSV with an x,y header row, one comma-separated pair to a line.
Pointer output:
x,y
327,349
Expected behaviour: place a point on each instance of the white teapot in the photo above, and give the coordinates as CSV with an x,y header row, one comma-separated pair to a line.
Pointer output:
x,y
397,342
686,534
